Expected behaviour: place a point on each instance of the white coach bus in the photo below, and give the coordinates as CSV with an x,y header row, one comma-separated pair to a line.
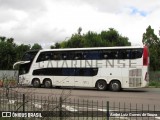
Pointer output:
x,y
103,67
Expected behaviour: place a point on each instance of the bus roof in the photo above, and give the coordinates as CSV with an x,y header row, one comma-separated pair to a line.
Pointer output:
x,y
93,48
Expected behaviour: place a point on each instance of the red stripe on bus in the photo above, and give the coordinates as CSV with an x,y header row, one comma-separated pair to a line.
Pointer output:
x,y
145,56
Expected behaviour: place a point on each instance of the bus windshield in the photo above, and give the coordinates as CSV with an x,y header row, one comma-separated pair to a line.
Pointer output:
x,y
26,61
29,56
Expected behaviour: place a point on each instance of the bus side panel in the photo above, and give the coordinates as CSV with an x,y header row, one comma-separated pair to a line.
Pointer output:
x,y
110,74
63,80
114,74
145,78
125,77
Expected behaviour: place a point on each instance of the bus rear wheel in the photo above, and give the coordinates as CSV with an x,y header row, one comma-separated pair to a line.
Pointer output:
x,y
36,83
115,86
101,85
47,83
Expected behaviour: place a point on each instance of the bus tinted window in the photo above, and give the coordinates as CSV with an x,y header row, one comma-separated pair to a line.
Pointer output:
x,y
68,55
48,71
24,68
78,55
136,53
66,71
124,54
86,71
29,56
110,54
92,55
64,56
57,56
44,56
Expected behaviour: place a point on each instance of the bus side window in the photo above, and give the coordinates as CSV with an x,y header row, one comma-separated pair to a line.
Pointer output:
x,y
116,54
139,53
44,56
105,54
123,54
68,71
120,54
78,56
70,55
113,54
78,72
40,57
128,54
92,55
56,56
47,56
64,56
90,71
94,71
84,55
87,72
136,54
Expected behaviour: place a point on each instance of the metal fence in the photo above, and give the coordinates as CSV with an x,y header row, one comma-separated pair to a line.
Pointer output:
x,y
34,107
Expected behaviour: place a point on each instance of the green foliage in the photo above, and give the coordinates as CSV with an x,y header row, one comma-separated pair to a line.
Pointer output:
x,y
20,50
11,52
93,39
56,46
7,53
155,84
36,46
153,42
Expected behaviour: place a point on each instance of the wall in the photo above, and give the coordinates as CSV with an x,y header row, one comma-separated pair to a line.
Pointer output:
x,y
8,74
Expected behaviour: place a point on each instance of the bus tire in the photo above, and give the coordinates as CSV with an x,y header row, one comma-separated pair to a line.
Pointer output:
x,y
47,83
101,85
36,83
115,86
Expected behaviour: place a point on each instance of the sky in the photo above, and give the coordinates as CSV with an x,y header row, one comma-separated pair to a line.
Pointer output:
x,y
49,21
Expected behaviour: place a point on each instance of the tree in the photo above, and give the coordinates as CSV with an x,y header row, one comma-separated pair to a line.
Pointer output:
x,y
149,38
20,50
113,38
2,39
56,46
76,41
10,52
7,53
153,42
36,46
111,35
93,39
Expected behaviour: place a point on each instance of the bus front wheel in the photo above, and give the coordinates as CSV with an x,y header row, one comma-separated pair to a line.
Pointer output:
x,y
101,85
36,83
115,86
